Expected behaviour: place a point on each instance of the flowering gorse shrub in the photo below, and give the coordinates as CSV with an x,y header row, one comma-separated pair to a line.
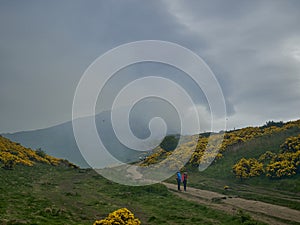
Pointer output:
x,y
171,159
231,138
291,144
284,164
246,168
287,163
12,153
284,168
119,217
266,157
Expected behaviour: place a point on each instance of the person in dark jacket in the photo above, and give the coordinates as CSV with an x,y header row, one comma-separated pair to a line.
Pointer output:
x,y
184,180
178,178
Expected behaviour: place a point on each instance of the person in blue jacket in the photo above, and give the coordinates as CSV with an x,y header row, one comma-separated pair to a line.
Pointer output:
x,y
178,178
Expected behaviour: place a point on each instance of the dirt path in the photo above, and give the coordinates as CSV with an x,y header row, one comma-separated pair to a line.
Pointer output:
x,y
259,210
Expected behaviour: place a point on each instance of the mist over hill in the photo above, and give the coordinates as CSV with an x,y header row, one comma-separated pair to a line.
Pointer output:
x,y
59,140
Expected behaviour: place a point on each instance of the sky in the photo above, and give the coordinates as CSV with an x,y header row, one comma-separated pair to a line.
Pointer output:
x,y
252,47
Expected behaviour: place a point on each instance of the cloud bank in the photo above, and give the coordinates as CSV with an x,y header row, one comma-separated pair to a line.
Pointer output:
x,y
253,48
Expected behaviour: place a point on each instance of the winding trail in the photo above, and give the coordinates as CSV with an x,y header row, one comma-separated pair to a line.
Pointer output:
x,y
261,211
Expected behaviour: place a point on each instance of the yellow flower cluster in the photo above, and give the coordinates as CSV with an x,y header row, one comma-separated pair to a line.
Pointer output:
x,y
282,168
287,162
246,168
158,155
119,217
226,187
291,144
266,157
170,159
284,164
232,138
208,147
12,153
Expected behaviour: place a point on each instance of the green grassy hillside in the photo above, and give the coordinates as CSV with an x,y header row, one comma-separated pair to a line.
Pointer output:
x,y
264,137
44,194
283,191
39,189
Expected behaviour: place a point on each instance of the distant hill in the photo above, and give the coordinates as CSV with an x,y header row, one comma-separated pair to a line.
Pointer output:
x,y
12,153
59,140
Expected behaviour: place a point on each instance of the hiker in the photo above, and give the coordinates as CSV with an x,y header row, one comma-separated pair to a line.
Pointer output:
x,y
184,180
178,178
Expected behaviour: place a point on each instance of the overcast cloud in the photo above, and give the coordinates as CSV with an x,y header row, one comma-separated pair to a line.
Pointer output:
x,y
253,48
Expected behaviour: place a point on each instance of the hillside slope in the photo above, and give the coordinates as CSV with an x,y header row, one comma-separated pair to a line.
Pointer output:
x,y
234,140
220,177
46,194
12,154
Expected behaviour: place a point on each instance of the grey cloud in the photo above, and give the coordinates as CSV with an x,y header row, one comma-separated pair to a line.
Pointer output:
x,y
246,52
45,46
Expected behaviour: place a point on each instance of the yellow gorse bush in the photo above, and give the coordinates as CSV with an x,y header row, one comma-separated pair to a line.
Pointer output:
x,y
284,168
291,144
206,148
246,168
267,156
287,163
12,153
119,217
284,164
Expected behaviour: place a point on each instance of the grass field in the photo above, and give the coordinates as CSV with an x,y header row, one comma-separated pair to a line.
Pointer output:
x,y
44,194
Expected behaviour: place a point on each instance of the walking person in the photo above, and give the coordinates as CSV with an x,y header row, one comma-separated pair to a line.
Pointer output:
x,y
184,180
178,178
